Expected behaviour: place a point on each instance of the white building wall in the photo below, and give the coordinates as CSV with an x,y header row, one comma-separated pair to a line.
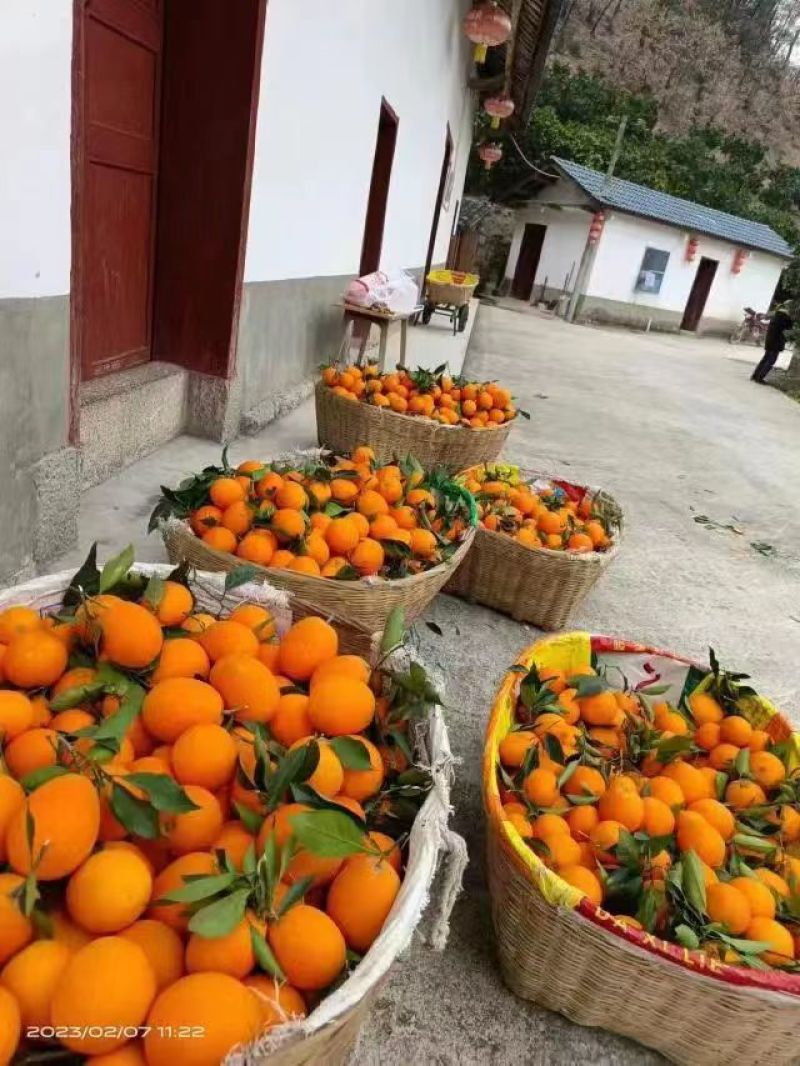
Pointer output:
x,y
35,109
619,258
562,248
324,71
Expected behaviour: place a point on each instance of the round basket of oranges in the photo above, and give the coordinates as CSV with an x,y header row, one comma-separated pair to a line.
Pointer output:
x,y
444,421
541,545
644,848
209,839
351,538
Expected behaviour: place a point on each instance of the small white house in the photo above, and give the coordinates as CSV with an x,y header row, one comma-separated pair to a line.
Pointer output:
x,y
625,254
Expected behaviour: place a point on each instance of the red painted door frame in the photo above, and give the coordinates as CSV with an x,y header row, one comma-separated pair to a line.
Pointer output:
x,y
437,210
375,221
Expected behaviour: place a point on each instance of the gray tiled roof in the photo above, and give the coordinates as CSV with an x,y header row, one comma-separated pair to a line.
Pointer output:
x,y
639,200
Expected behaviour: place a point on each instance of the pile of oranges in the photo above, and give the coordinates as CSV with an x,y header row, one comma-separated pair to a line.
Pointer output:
x,y
539,513
683,821
452,401
193,820
345,518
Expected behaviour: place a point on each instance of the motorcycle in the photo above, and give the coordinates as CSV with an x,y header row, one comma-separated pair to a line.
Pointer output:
x,y
753,327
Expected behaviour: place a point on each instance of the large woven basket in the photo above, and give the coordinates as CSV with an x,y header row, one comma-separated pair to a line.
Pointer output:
x,y
359,608
344,424
328,1036
535,585
563,952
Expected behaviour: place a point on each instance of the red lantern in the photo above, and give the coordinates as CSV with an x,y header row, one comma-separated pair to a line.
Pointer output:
x,y
486,25
499,107
691,249
739,260
596,228
490,153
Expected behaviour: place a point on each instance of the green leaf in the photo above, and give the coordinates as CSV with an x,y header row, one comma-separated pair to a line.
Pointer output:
x,y
117,725
241,575
569,770
672,747
30,894
135,814
327,834
687,937
251,820
75,697
294,895
552,746
222,916
86,582
154,592
264,956
164,792
588,685
352,754
627,849
249,863
748,840
200,888
394,631
116,569
41,776
742,763
295,766
693,882
334,510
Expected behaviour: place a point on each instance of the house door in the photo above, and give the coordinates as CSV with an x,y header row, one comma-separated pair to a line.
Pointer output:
x,y
379,190
118,59
528,261
437,210
701,287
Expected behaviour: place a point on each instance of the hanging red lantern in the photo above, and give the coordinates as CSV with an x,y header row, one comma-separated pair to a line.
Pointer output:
x,y
596,227
490,153
691,249
739,260
486,25
499,107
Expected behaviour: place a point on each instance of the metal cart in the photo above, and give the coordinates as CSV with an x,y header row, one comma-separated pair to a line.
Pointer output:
x,y
448,292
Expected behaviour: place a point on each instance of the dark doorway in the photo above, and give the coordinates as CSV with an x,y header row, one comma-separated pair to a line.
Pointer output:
x,y
528,261
115,163
211,75
437,209
701,286
379,190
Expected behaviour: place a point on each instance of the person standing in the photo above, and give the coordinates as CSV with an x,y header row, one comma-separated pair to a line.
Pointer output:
x,y
774,343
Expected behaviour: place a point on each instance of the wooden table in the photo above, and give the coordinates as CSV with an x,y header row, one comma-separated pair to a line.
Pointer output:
x,y
383,319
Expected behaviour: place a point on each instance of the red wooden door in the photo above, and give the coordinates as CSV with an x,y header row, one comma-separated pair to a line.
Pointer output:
x,y
379,190
117,108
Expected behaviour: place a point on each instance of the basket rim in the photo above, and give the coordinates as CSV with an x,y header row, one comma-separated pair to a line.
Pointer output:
x,y
773,982
551,553
383,412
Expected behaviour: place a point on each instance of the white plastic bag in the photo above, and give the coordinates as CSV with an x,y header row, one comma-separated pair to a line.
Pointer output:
x,y
396,292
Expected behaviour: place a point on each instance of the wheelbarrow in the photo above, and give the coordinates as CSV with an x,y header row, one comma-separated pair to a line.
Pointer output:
x,y
448,292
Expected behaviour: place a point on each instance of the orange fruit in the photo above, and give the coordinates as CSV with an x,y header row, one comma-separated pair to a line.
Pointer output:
x,y
423,543
367,557
371,504
304,564
31,977
759,740
131,636
15,929
10,1026
705,708
658,818
219,1011
93,1003
309,947
694,833
723,756
248,688
735,730
291,722
254,617
689,779
292,496
584,880
306,645
17,620
342,535
109,890
328,776
28,752
766,768
66,814
204,755
743,794
268,654
231,954
235,841
757,894
197,829
339,705
582,820
363,784
779,938
514,747
390,851
360,898
774,882
175,605
707,736
12,800
717,815
317,548
303,863
181,657
226,491
585,781
344,666
278,1003
220,539
600,709
541,787
731,908
623,805
171,877
172,706
228,638
34,660
258,547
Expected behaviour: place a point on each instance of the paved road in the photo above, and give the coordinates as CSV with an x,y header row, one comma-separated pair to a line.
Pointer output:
x,y
674,429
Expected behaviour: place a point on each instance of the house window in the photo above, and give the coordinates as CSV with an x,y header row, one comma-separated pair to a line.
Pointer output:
x,y
651,272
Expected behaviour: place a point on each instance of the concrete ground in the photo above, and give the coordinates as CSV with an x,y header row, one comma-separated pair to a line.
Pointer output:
x,y
674,429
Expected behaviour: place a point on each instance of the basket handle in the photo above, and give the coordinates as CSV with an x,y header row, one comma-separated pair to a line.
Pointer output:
x,y
456,858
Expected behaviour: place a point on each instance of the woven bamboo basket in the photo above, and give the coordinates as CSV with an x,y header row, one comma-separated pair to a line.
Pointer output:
x,y
561,951
344,424
328,1036
535,585
358,608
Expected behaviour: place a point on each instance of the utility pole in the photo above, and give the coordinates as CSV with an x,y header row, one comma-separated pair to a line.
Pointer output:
x,y
590,248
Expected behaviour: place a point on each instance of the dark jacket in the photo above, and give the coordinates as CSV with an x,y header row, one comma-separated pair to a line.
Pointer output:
x,y
775,340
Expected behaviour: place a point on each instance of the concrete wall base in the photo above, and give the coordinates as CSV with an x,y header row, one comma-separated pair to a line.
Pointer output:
x,y
254,420
214,407
599,311
128,415
57,484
